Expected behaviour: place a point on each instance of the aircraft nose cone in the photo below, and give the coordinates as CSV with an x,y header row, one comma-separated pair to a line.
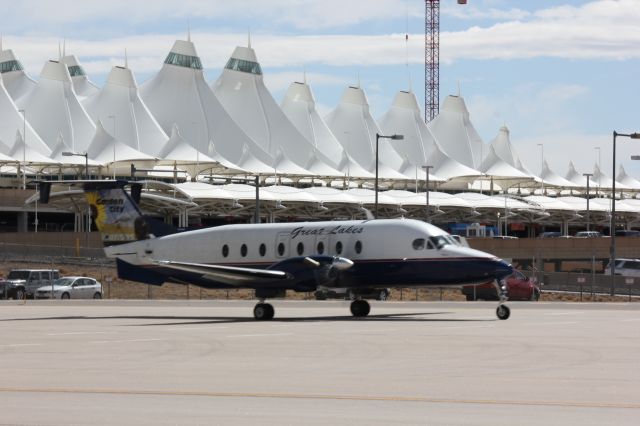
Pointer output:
x,y
502,269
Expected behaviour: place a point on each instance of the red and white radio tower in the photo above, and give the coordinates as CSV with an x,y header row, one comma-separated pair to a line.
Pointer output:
x,y
432,58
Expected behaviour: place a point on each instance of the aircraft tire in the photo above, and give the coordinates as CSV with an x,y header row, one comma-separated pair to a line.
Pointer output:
x,y
503,312
360,308
263,312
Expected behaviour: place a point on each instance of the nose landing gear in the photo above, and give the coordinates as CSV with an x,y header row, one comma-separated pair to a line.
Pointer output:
x,y
502,311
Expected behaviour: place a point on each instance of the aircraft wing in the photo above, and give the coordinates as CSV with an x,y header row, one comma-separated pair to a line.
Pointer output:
x,y
231,275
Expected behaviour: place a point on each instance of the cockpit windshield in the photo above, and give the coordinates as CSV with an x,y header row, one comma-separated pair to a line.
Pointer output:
x,y
439,241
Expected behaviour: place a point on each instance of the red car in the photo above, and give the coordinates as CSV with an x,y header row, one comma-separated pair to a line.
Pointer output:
x,y
519,287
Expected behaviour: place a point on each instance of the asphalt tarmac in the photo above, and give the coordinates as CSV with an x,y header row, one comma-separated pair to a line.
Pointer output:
x,y
209,363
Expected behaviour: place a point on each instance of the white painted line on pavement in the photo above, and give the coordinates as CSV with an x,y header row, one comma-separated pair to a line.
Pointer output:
x,y
81,332
16,345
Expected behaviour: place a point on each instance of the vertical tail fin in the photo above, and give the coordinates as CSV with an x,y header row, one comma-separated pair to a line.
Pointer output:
x,y
115,214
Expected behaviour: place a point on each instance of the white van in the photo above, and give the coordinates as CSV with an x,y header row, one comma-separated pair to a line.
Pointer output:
x,y
625,267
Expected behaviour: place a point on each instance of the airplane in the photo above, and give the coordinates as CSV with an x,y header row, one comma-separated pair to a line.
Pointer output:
x,y
275,257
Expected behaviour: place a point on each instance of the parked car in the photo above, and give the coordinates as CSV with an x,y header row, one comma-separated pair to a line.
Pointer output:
x,y
519,287
348,294
588,234
626,267
627,233
22,283
550,234
71,288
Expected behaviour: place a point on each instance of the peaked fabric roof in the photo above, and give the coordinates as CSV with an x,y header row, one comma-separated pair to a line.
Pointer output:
x,y
120,101
240,88
178,94
105,149
578,178
83,87
178,152
299,105
53,108
352,123
12,120
494,167
30,156
627,180
605,181
551,178
455,133
16,80
404,118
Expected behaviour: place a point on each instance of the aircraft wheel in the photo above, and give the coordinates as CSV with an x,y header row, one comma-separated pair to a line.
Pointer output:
x,y
263,311
360,308
503,312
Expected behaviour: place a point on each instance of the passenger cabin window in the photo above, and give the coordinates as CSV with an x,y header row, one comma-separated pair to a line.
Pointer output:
x,y
263,249
320,247
243,250
280,249
358,247
225,250
419,244
300,249
339,247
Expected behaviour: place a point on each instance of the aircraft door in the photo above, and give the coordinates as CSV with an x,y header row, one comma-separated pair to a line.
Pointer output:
x,y
282,245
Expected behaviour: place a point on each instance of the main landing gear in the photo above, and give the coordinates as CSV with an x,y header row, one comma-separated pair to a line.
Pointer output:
x,y
360,308
263,311
502,311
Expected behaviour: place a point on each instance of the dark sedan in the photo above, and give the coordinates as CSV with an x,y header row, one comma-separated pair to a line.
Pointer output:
x,y
519,287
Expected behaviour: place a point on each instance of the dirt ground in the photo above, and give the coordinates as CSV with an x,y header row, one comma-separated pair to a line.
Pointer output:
x,y
115,288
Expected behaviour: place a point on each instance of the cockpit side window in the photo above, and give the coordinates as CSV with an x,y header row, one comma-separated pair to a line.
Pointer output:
x,y
418,244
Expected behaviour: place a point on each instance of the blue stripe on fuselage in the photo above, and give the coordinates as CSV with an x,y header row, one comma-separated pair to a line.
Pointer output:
x,y
364,273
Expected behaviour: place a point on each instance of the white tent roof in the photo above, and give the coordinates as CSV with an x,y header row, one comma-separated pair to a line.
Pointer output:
x,y
17,82
299,105
604,181
105,149
578,178
453,130
551,178
178,152
494,167
30,156
448,168
627,180
12,120
404,118
179,94
53,108
352,123
240,88
83,87
120,101
72,160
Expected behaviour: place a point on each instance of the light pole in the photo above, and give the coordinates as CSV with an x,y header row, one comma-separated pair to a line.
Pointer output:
x,y
24,147
256,218
541,145
86,160
597,148
378,136
588,176
612,230
426,171
114,145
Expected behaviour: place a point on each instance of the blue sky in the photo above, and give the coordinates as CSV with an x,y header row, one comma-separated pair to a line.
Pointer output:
x,y
562,73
